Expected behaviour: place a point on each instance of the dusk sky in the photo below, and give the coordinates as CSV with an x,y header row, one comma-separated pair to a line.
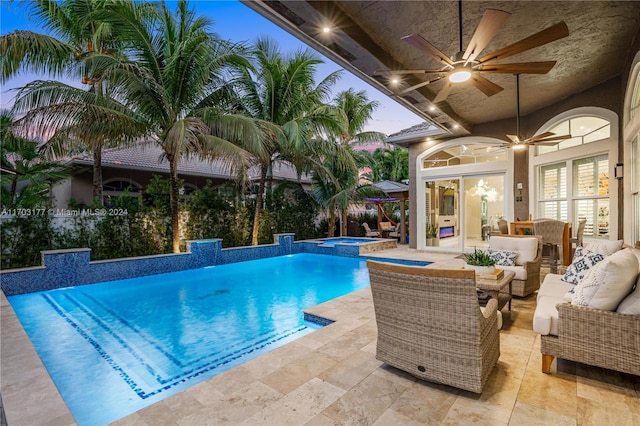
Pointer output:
x,y
234,21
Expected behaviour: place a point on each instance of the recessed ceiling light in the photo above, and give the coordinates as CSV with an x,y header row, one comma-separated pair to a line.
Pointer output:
x,y
455,126
394,81
326,30
432,108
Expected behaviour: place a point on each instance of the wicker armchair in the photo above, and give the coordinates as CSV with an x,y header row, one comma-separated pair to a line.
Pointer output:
x,y
430,324
527,269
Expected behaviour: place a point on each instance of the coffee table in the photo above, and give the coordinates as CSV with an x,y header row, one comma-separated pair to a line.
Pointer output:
x,y
495,286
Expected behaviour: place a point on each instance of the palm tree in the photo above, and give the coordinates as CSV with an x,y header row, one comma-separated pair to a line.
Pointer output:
x,y
339,185
76,34
280,92
22,156
172,81
356,110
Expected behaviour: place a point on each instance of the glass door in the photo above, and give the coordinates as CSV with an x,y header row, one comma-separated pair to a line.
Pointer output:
x,y
483,198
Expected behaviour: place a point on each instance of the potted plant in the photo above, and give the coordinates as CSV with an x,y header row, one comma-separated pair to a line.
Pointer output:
x,y
435,240
431,232
479,261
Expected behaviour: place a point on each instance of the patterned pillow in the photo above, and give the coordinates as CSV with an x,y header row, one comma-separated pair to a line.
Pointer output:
x,y
607,283
583,260
503,257
568,297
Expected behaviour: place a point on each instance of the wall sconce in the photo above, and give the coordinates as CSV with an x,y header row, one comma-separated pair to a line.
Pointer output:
x,y
618,172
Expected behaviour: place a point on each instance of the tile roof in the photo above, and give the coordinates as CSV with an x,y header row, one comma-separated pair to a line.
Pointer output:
x,y
389,186
414,132
148,157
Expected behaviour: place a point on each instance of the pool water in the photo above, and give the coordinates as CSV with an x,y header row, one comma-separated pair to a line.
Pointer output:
x,y
347,240
116,347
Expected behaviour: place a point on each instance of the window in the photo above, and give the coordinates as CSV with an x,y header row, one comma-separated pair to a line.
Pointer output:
x,y
583,130
634,108
465,154
635,188
591,194
553,191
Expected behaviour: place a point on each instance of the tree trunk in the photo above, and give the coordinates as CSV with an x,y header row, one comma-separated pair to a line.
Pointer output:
x,y
173,196
259,197
344,223
97,175
14,186
332,225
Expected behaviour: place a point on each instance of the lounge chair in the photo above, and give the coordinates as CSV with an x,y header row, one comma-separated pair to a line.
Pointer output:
x,y
430,324
370,232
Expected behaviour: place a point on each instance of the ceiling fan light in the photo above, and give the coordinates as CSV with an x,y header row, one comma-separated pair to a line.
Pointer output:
x,y
459,76
519,146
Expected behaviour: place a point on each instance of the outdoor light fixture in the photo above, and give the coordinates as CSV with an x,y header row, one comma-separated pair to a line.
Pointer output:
x,y
460,75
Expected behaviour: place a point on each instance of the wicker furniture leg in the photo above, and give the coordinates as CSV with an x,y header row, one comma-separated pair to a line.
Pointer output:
x,y
546,363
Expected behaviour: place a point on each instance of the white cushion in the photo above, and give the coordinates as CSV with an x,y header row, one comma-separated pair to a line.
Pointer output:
x,y
550,294
545,318
631,304
527,248
583,261
553,286
503,257
608,282
606,248
520,272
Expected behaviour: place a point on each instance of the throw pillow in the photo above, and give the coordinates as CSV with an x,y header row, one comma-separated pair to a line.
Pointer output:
x,y
583,260
608,282
631,304
606,248
568,297
503,257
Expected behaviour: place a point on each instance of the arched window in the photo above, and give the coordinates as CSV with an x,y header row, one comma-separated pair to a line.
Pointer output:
x,y
583,130
465,154
574,179
631,160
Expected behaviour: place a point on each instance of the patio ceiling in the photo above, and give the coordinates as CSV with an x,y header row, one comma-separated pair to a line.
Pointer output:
x,y
365,37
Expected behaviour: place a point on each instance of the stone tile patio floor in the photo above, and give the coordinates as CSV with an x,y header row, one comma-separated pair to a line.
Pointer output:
x,y
331,377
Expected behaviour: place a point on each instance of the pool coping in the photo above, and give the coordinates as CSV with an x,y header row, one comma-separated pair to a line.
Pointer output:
x,y
29,395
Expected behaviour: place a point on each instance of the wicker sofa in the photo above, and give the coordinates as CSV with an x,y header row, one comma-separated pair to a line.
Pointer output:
x,y
430,324
527,264
598,337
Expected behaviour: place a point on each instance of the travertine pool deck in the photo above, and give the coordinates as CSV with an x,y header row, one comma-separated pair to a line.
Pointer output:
x,y
331,377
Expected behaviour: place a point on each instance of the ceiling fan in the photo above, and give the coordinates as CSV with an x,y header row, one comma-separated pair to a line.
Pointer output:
x,y
465,65
546,138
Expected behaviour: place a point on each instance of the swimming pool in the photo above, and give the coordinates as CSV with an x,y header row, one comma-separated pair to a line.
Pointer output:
x,y
113,348
347,240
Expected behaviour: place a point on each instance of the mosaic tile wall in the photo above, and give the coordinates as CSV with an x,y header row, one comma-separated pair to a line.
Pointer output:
x,y
65,268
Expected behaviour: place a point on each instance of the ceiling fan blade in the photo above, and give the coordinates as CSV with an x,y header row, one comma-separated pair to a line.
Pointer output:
x,y
442,95
419,85
519,68
540,136
485,86
550,141
489,25
402,72
420,43
514,138
545,36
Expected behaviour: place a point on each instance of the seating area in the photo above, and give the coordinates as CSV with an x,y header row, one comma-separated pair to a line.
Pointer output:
x,y
588,313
